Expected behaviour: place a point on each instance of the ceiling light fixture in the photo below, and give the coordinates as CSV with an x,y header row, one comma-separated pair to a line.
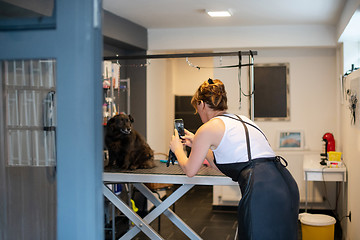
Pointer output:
x,y
219,13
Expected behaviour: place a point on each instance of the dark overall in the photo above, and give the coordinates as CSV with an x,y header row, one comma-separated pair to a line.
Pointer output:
x,y
269,207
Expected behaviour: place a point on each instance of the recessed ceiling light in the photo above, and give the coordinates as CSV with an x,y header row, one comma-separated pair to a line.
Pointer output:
x,y
219,13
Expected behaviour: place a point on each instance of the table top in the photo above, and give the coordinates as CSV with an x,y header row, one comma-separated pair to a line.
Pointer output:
x,y
311,163
172,174
314,171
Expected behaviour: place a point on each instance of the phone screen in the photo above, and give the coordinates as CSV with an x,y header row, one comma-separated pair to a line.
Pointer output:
x,y
179,125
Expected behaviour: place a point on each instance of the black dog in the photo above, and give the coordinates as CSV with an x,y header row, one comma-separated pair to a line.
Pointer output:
x,y
127,148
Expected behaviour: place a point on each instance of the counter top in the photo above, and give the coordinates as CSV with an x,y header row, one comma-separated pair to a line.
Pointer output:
x,y
314,171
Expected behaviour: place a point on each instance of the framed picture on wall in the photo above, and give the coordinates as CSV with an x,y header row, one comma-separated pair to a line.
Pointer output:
x,y
290,140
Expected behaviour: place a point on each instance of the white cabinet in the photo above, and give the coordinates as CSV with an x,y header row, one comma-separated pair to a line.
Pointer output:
x,y
226,195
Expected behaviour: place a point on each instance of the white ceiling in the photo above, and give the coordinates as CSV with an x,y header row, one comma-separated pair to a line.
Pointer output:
x,y
155,14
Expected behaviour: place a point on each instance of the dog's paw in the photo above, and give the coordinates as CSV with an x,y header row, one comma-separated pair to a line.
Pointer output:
x,y
148,164
112,168
133,167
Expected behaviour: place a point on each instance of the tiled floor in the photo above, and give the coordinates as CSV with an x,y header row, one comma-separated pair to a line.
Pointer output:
x,y
196,210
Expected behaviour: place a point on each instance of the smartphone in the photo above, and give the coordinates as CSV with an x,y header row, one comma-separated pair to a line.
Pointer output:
x,y
179,125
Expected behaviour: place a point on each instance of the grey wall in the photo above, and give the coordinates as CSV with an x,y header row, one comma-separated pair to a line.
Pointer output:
x,y
123,38
124,31
137,77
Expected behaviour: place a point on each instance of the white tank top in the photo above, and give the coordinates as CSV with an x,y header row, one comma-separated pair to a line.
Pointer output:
x,y
233,148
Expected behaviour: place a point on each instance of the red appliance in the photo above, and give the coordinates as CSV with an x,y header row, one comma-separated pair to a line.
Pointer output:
x,y
329,140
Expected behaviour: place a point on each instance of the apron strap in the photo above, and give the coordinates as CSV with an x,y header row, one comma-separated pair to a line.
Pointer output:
x,y
247,138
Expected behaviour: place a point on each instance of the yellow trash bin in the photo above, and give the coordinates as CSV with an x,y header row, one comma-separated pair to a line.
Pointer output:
x,y
317,226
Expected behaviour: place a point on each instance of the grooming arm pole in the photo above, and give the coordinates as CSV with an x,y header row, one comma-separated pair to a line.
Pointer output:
x,y
251,86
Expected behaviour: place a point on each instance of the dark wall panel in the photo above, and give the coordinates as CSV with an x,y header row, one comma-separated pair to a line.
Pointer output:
x,y
271,91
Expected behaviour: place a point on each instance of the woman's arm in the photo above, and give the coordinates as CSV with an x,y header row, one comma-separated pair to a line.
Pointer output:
x,y
210,159
208,135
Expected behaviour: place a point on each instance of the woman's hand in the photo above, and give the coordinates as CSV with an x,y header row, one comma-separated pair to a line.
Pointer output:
x,y
175,142
188,138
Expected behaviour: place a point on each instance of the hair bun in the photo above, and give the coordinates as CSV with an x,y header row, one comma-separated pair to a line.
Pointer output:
x,y
213,93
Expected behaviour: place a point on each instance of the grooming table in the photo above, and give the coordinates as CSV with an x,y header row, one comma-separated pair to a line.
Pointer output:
x,y
159,174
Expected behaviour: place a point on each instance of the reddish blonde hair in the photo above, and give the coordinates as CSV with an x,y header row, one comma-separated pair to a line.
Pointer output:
x,y
211,92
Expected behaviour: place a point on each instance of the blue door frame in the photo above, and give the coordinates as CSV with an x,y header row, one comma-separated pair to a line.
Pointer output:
x,y
76,44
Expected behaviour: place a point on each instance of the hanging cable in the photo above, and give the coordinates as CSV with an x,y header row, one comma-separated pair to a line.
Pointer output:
x,y
250,64
239,77
239,65
135,65
230,66
190,64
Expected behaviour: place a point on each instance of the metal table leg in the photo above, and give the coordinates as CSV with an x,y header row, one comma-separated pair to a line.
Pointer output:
x,y
136,219
306,191
113,221
344,203
163,207
168,212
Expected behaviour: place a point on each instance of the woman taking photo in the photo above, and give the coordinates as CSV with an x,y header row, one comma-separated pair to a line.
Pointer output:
x,y
237,147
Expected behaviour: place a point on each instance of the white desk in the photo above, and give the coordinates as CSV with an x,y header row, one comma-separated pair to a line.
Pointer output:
x,y
314,171
159,174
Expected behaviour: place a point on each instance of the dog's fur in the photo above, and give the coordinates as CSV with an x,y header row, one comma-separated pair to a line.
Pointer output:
x,y
127,148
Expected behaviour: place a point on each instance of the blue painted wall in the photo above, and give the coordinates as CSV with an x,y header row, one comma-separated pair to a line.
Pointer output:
x,y
76,44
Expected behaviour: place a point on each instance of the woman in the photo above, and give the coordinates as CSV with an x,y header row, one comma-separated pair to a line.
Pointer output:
x,y
237,147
